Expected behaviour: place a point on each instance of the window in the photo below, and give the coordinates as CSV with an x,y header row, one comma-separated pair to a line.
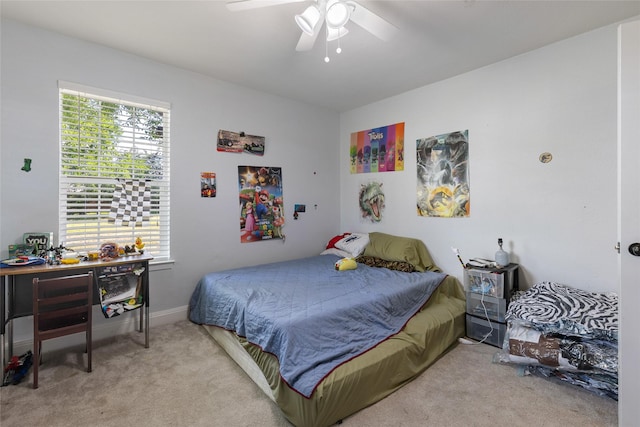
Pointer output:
x,y
114,170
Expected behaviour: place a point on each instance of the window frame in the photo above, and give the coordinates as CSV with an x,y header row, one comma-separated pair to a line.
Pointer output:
x,y
95,189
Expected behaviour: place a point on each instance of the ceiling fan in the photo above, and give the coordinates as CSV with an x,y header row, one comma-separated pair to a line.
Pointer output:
x,y
333,14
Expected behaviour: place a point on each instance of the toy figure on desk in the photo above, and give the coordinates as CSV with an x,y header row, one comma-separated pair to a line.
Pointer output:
x,y
139,245
109,251
54,255
136,248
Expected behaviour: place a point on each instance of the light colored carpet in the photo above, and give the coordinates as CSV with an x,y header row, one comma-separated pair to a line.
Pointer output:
x,y
186,379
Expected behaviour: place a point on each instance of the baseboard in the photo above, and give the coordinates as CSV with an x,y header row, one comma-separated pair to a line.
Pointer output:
x,y
108,329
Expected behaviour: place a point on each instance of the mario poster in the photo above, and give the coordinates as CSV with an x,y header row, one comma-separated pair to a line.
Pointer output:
x,y
261,205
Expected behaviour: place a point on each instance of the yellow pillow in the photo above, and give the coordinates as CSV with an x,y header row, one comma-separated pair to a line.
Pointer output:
x,y
346,264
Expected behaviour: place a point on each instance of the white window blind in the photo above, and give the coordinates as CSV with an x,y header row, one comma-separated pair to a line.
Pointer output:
x,y
114,151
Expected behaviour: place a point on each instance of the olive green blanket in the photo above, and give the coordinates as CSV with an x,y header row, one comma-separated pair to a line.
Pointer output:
x,y
377,373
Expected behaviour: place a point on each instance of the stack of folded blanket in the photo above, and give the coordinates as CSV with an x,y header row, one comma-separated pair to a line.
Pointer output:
x,y
566,333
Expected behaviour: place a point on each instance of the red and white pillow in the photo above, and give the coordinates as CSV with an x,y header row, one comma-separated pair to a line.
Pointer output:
x,y
347,245
335,239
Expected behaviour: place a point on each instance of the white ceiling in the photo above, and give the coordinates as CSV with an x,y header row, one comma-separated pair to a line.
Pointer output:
x,y
256,48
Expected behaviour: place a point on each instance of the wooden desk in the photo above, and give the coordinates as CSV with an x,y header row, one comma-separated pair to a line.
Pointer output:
x,y
16,292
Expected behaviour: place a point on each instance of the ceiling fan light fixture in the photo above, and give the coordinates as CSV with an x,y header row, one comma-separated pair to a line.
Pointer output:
x,y
338,14
308,19
336,33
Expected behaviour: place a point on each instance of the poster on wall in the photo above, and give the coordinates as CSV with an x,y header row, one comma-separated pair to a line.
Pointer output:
x,y
443,175
371,201
234,142
377,150
261,204
207,184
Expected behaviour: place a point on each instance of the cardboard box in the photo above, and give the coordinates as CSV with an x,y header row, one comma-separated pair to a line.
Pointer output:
x,y
19,250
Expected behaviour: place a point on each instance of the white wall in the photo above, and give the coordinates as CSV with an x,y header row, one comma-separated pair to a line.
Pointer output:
x,y
558,220
301,139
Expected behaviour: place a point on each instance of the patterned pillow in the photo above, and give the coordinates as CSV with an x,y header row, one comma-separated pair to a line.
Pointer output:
x,y
391,265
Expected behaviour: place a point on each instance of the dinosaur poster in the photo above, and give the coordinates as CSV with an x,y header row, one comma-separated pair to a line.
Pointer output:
x,y
261,204
443,175
371,201
377,150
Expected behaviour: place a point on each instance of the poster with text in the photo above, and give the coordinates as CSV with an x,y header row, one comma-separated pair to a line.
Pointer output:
x,y
377,150
261,204
443,175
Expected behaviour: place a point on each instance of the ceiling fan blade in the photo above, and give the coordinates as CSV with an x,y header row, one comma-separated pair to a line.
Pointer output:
x,y
371,22
237,5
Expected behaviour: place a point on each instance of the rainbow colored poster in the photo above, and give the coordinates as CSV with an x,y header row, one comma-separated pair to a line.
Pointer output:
x,y
377,150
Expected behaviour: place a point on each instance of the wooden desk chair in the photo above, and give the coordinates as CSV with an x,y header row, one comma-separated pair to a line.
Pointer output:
x,y
61,306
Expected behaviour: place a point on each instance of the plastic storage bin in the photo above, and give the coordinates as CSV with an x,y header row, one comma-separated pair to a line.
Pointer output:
x,y
496,308
477,329
484,282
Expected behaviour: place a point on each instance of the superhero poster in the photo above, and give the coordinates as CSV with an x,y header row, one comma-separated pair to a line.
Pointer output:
x,y
261,205
443,175
377,150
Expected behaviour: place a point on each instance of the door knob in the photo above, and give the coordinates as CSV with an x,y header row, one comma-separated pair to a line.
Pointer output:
x,y
634,249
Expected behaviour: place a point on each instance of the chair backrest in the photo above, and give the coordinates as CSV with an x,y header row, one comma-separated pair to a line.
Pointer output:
x,y
62,305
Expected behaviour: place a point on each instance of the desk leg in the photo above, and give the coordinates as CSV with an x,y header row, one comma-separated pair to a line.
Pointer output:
x,y
146,326
3,313
146,307
10,339
8,326
6,312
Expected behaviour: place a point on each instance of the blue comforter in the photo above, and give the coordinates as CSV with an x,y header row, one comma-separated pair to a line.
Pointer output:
x,y
310,316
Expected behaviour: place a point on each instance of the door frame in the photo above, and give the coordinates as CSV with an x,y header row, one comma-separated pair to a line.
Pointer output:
x,y
629,221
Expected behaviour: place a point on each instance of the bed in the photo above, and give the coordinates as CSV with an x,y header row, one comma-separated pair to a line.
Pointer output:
x,y
561,332
323,342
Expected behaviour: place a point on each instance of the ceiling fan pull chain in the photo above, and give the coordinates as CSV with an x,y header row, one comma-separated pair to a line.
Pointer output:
x,y
326,44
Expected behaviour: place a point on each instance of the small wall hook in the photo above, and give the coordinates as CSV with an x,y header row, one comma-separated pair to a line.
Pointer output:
x,y
27,165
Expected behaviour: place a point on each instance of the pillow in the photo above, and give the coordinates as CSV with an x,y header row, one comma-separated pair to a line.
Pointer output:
x,y
395,248
346,264
336,251
354,243
383,263
332,242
